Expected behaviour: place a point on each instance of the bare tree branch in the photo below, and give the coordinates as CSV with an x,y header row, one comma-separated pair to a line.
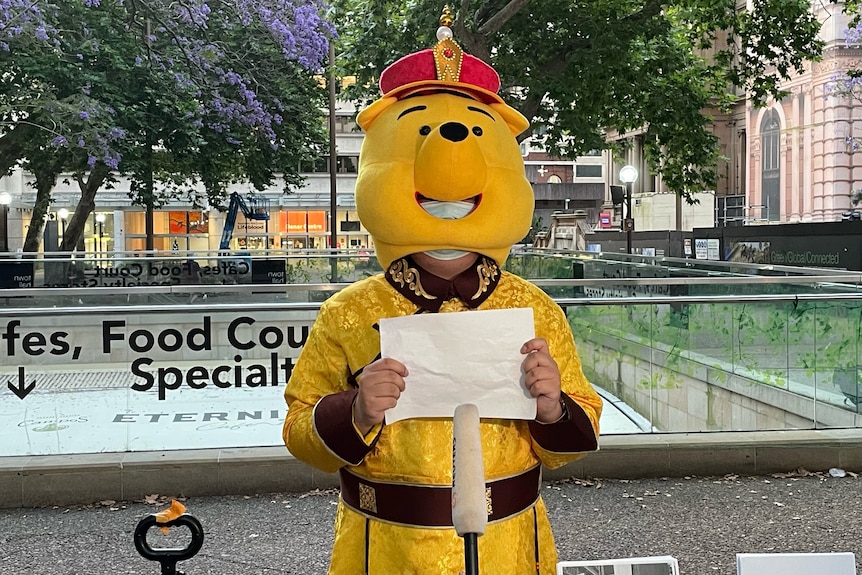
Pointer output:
x,y
498,20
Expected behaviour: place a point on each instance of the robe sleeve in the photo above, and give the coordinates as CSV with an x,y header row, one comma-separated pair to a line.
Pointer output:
x,y
319,429
577,434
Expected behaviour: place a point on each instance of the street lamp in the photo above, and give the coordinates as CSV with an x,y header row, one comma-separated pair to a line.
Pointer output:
x,y
567,203
63,214
628,176
100,219
5,200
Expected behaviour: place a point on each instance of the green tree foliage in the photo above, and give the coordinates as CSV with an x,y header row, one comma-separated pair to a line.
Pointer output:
x,y
852,8
170,94
579,69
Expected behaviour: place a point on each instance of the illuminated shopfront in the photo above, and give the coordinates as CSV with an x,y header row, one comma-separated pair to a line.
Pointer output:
x,y
178,230
114,229
305,229
173,230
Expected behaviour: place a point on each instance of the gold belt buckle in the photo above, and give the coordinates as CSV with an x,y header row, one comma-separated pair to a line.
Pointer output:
x,y
367,498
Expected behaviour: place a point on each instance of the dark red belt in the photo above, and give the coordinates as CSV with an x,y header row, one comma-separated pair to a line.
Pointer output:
x,y
431,506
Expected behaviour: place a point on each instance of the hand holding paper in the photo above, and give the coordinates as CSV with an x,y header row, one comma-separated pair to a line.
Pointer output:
x,y
466,357
380,387
542,379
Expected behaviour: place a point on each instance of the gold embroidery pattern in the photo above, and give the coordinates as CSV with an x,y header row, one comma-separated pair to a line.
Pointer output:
x,y
404,275
367,498
487,271
488,501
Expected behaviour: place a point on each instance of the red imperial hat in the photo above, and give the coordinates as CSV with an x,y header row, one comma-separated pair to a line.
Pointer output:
x,y
445,66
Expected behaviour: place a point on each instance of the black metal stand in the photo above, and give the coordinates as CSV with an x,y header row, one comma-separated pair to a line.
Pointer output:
x,y
169,557
471,554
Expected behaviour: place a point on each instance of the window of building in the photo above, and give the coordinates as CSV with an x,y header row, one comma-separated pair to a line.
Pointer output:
x,y
173,230
315,166
348,164
345,125
588,171
547,204
344,165
770,166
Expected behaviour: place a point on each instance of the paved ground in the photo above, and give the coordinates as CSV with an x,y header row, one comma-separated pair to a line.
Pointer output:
x,y
703,522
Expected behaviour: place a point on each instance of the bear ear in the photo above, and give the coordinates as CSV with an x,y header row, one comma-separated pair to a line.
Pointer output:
x,y
367,116
516,121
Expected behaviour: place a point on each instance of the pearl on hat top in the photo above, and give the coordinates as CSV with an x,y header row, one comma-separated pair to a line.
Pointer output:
x,y
444,32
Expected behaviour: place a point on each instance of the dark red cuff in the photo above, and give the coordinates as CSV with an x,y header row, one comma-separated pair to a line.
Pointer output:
x,y
572,434
333,420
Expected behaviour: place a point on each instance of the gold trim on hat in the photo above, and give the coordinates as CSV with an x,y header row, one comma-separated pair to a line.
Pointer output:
x,y
448,57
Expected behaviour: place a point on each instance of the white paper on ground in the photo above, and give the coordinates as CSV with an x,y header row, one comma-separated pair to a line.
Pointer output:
x,y
795,563
663,564
464,357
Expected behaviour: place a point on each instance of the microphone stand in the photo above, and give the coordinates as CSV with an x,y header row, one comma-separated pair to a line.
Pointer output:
x,y
469,509
471,554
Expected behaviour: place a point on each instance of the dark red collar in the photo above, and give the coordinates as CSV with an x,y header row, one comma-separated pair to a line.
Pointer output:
x,y
429,291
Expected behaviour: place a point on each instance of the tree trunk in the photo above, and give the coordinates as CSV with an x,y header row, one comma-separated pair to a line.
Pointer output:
x,y
75,228
46,177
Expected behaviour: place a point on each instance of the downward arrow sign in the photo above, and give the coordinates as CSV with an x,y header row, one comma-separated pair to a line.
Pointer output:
x,y
21,389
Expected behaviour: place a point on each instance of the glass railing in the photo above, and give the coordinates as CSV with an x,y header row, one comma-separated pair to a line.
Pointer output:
x,y
83,379
183,366
181,277
176,268
727,363
313,275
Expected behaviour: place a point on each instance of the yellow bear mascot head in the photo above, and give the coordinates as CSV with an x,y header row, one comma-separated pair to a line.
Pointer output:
x,y
440,169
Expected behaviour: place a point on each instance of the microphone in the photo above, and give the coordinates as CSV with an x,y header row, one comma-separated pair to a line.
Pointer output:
x,y
469,509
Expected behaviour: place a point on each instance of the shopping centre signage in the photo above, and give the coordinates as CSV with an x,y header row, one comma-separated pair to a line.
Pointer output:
x,y
268,272
154,352
305,222
134,382
821,245
14,275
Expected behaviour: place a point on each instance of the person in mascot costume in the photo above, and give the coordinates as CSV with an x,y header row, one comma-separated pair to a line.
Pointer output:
x,y
443,193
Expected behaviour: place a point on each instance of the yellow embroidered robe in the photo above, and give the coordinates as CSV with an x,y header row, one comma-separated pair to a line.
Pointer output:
x,y
319,431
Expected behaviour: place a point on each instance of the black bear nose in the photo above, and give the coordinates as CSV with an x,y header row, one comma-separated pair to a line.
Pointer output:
x,y
454,131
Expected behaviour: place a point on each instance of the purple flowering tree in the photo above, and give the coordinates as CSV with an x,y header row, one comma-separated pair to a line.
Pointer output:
x,y
847,85
173,94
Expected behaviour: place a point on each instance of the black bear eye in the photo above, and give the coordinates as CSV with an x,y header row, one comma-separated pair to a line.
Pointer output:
x,y
477,130
425,130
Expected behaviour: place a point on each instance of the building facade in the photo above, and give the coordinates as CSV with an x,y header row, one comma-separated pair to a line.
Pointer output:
x,y
793,160
300,220
802,162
